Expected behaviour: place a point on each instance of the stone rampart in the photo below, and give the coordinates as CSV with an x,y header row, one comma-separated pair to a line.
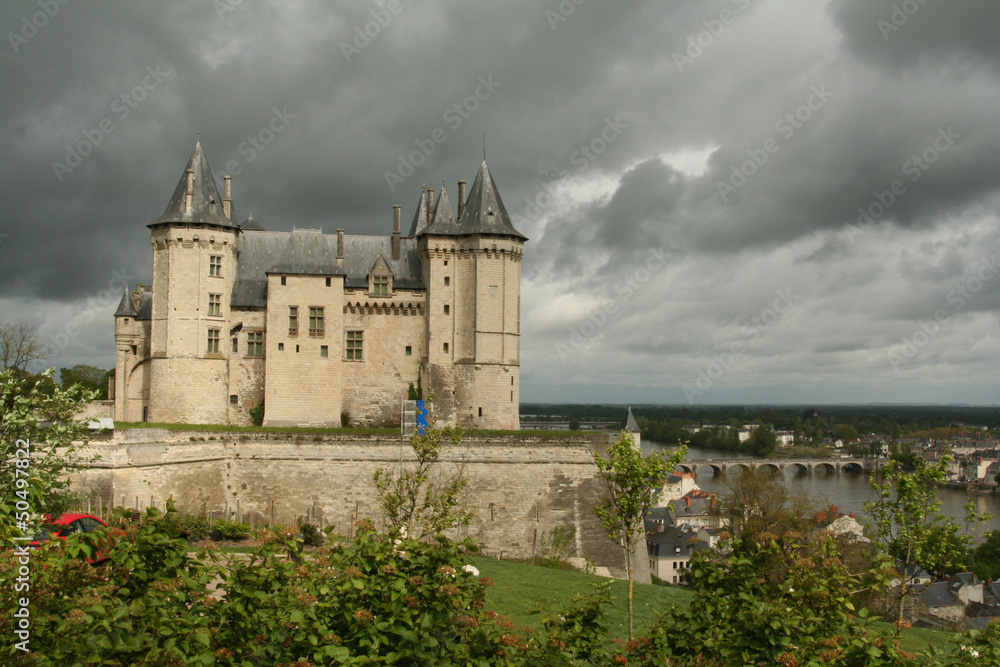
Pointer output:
x,y
521,487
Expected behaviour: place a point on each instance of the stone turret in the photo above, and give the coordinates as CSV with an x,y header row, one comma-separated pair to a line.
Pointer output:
x,y
194,264
472,267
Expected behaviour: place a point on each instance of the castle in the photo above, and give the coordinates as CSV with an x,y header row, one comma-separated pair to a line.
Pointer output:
x,y
323,329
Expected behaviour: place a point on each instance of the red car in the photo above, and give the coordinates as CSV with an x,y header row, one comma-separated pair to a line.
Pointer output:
x,y
68,524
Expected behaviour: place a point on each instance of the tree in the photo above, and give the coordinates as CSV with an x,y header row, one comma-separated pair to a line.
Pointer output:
x,y
908,525
634,485
36,417
19,346
574,423
88,377
420,500
763,440
987,557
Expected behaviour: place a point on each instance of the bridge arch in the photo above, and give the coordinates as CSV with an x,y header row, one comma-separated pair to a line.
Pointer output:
x,y
798,467
770,467
853,467
686,468
826,467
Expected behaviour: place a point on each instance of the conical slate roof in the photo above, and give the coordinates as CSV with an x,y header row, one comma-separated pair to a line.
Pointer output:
x,y
484,212
125,307
207,204
420,215
630,424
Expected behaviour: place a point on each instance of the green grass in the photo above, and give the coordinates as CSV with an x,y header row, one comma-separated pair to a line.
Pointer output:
x,y
527,594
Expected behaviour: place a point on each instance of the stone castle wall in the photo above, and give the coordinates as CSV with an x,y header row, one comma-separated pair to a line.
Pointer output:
x,y
521,487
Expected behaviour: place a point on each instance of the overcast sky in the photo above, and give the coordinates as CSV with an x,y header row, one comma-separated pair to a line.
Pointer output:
x,y
731,201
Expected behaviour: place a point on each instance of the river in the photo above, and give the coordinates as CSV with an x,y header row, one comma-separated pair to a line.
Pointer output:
x,y
847,491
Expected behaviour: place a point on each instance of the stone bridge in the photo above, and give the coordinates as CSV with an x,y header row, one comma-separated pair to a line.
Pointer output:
x,y
831,466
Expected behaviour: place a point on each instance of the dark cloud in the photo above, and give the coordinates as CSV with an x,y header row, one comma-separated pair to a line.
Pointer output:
x,y
693,91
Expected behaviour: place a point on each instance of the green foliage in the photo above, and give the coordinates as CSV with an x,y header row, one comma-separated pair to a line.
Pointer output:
x,y
257,414
986,557
740,619
227,529
312,536
634,484
89,377
908,525
420,500
34,410
574,423
763,441
557,549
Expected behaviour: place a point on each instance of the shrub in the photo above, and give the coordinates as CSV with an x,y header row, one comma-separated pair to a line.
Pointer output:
x,y
227,529
311,534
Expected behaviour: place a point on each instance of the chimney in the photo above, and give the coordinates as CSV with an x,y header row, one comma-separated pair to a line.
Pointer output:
x,y
227,198
461,198
430,206
340,248
396,212
189,195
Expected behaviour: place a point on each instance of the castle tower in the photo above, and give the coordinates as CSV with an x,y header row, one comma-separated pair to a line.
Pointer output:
x,y
194,265
472,269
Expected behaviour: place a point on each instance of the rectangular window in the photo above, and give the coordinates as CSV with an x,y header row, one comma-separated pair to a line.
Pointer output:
x,y
324,351
409,350
236,345
447,281
281,347
315,321
380,285
213,341
215,265
214,304
328,281
234,399
446,347
282,280
355,345
447,309
255,344
293,320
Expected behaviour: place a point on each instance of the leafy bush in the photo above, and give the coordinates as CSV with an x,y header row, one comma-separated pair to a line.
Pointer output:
x,y
227,529
257,413
312,536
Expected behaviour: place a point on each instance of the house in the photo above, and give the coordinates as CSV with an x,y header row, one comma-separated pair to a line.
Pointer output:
x,y
671,549
317,329
696,508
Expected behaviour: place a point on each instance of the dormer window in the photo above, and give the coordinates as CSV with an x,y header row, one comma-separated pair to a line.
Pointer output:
x,y
380,278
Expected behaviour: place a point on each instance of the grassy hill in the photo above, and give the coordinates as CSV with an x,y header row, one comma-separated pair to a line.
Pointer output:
x,y
527,594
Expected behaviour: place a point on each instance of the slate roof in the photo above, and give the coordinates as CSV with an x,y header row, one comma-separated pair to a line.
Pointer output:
x,y
125,307
145,311
207,204
484,212
630,424
420,215
251,225
311,252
